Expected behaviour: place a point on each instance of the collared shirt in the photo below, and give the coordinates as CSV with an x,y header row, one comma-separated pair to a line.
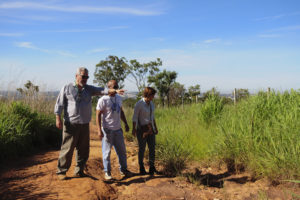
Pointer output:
x,y
111,108
76,104
142,112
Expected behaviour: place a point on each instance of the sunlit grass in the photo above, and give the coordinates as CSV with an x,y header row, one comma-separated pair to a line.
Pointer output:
x,y
259,134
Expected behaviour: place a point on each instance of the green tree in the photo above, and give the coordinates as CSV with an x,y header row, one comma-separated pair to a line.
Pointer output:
x,y
194,91
242,94
140,72
176,93
163,82
112,67
29,89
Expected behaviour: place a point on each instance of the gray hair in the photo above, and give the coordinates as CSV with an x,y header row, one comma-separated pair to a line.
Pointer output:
x,y
82,69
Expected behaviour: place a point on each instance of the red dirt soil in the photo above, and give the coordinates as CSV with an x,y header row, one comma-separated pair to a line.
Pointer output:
x,y
35,178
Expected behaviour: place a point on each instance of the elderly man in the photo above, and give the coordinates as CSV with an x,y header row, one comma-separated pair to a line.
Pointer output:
x,y
75,100
108,118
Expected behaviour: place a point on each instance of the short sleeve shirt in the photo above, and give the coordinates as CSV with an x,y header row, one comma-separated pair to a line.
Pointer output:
x,y
111,108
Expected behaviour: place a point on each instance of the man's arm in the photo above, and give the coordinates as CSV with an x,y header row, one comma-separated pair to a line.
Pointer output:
x,y
123,118
100,91
59,105
134,129
156,130
58,122
135,118
98,123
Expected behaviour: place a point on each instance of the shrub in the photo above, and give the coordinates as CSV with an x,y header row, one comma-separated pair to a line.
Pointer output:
x,y
173,154
22,130
211,109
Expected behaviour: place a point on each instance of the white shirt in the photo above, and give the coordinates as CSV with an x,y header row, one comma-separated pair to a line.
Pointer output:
x,y
143,113
111,108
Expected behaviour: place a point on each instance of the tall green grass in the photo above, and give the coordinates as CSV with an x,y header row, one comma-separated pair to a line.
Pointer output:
x,y
22,130
260,134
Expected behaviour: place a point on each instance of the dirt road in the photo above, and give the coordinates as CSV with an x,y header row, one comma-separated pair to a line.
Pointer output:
x,y
34,178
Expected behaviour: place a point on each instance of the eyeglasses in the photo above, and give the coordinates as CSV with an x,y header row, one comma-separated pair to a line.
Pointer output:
x,y
84,77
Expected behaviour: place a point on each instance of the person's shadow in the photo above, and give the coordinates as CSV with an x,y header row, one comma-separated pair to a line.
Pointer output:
x,y
86,176
137,179
214,180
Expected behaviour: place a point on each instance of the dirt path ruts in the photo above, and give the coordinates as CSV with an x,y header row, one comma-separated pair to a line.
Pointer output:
x,y
34,178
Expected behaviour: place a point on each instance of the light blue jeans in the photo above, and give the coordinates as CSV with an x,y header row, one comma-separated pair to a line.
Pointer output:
x,y
113,138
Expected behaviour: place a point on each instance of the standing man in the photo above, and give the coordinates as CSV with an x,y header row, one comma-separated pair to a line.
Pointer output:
x,y
108,118
144,128
75,100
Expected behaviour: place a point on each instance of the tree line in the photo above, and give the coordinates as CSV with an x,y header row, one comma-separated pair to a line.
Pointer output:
x,y
150,74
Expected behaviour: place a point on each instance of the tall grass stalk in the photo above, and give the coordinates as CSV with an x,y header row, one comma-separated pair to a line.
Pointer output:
x,y
261,134
24,127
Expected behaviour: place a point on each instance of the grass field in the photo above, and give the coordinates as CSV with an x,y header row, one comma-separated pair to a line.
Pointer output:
x,y
259,134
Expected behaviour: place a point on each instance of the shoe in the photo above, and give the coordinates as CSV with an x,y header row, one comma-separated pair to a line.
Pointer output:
x,y
125,173
107,176
62,176
80,174
152,170
142,171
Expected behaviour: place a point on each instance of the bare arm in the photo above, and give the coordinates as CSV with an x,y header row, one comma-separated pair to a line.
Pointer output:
x,y
110,91
98,123
58,122
123,118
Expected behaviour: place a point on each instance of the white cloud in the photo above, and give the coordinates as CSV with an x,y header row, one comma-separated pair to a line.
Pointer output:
x,y
160,39
79,9
97,50
11,34
25,45
287,28
210,41
269,35
29,45
87,30
276,17
65,53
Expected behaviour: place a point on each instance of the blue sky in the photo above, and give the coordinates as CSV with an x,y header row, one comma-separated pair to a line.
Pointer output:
x,y
226,44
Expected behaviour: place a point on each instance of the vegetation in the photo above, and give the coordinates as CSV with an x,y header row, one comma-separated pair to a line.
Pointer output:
x,y
259,134
163,82
27,123
22,130
140,72
112,67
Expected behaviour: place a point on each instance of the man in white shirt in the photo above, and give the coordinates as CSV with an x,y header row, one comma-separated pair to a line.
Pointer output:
x,y
108,118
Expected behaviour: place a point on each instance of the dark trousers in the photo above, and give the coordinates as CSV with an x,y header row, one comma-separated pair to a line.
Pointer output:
x,y
150,140
75,136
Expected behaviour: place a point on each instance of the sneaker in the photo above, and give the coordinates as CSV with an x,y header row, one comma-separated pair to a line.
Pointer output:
x,y
125,173
107,176
80,174
62,176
